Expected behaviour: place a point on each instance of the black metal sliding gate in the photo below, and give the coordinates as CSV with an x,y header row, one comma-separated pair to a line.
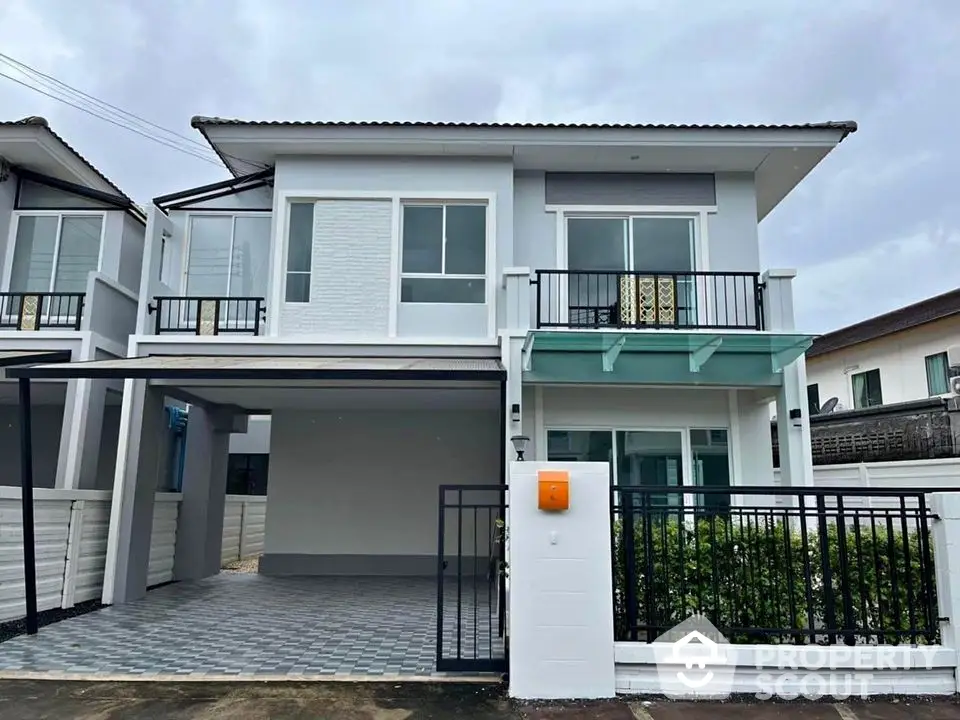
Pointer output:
x,y
471,579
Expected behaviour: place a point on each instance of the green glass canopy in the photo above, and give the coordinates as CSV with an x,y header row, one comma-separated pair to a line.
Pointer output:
x,y
739,359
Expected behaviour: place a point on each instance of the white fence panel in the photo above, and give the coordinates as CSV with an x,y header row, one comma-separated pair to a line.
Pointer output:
x,y
163,538
232,520
51,523
254,524
243,527
86,547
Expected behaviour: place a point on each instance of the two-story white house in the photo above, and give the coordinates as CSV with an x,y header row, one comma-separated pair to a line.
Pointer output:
x,y
407,301
71,248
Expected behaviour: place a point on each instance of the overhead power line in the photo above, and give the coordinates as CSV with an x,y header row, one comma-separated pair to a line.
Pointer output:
x,y
51,87
48,80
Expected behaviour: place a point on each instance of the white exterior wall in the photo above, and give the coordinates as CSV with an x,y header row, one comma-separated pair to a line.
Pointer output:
x,y
356,269
46,423
350,277
731,233
8,193
365,483
742,412
131,253
256,440
899,357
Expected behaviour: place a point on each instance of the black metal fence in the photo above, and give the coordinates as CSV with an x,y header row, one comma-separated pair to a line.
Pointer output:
x,y
209,315
638,299
471,579
39,310
813,566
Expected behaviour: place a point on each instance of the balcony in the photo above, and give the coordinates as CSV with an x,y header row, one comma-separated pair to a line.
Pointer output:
x,y
208,315
638,300
41,310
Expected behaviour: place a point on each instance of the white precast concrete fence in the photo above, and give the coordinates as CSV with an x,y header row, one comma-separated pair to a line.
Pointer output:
x,y
243,527
71,541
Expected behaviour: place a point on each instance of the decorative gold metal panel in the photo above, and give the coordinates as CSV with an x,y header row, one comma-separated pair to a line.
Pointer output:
x,y
208,317
628,296
29,315
647,300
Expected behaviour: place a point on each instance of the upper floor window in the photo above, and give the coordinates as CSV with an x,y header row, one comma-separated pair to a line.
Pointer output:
x,y
228,255
55,252
938,374
866,389
443,253
299,252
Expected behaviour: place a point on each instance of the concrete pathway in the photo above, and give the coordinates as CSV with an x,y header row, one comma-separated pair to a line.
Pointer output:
x,y
33,700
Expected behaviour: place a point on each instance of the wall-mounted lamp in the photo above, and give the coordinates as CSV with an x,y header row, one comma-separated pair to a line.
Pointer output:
x,y
796,416
515,412
520,443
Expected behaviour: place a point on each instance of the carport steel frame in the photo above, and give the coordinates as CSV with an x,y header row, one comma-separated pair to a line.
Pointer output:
x,y
26,475
73,371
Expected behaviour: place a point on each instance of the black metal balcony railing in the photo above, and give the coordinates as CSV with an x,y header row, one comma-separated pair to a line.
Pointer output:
x,y
789,565
208,315
40,310
639,299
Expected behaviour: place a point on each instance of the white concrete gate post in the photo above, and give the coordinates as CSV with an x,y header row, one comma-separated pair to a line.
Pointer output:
x,y
561,586
946,559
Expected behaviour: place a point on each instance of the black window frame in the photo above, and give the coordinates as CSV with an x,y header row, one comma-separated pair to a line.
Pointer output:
x,y
873,399
813,399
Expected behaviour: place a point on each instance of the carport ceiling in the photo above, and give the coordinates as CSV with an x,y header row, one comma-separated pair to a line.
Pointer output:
x,y
371,396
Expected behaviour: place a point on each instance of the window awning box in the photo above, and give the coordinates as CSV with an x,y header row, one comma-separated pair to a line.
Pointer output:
x,y
732,359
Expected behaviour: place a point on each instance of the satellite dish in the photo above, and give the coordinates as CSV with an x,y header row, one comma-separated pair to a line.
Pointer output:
x,y
829,406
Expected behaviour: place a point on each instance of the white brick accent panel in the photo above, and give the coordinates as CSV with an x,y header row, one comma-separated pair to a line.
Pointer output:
x,y
350,282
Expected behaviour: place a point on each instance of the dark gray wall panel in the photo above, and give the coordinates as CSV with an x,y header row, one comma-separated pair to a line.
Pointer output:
x,y
630,189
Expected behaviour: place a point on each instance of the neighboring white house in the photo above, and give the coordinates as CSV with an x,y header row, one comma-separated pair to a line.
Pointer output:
x,y
71,249
895,357
404,299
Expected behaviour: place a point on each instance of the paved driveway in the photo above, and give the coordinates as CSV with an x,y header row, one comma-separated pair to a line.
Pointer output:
x,y
396,701
250,626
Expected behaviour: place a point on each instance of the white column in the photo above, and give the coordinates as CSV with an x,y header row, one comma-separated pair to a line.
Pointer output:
x,y
516,281
200,522
793,433
561,578
81,433
946,559
140,461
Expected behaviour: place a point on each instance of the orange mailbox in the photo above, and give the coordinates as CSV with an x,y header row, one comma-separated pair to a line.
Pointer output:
x,y
553,490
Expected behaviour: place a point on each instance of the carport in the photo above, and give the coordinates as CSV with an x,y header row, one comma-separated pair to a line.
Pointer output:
x,y
361,446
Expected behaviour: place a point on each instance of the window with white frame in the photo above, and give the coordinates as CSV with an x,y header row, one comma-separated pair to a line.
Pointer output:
x,y
228,255
55,252
299,252
443,253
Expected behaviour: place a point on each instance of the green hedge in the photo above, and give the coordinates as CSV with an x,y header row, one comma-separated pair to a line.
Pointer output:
x,y
747,572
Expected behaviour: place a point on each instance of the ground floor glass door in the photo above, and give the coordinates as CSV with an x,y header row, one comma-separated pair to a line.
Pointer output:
x,y
665,458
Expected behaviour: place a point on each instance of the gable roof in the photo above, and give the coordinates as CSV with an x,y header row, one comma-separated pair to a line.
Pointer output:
x,y
919,313
44,126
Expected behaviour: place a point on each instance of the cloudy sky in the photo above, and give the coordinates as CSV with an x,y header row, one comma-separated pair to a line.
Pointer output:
x,y
876,226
